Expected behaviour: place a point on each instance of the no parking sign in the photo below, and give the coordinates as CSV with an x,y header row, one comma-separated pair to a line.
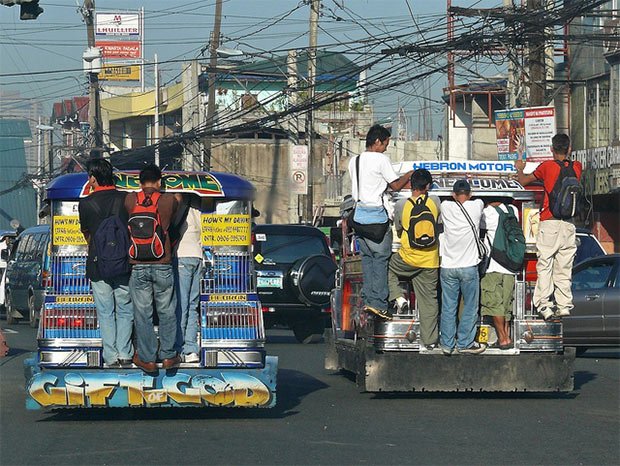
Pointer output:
x,y
298,169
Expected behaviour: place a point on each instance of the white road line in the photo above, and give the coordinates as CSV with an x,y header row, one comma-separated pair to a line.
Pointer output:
x,y
8,330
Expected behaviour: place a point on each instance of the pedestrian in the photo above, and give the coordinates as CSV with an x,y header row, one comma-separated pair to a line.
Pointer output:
x,y
110,293
497,284
458,248
417,259
556,242
189,273
152,278
371,174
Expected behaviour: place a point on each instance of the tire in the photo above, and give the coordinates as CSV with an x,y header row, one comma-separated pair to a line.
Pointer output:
x,y
32,312
309,331
10,320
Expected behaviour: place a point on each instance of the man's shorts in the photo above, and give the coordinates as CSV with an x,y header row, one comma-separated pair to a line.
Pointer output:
x,y
496,294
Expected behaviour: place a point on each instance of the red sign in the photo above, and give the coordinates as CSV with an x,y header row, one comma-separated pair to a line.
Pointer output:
x,y
120,49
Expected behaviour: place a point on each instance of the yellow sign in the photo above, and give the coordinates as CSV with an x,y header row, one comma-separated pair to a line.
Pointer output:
x,y
258,258
228,297
120,73
226,230
74,300
66,231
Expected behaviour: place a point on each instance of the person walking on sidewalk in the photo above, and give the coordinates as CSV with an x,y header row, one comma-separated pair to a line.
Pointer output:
x,y
417,259
555,243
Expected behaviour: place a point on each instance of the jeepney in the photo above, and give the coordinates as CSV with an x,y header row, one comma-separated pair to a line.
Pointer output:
x,y
67,370
388,355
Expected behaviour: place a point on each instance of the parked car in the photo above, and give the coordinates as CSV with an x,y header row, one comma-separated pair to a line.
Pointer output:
x,y
587,246
295,273
7,237
595,320
26,275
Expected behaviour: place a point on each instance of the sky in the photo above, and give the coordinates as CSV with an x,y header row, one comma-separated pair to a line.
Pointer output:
x,y
178,30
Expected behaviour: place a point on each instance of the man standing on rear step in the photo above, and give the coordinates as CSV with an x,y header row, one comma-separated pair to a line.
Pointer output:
x,y
152,278
555,243
111,295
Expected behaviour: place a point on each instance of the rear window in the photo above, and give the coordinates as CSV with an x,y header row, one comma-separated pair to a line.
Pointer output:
x,y
289,248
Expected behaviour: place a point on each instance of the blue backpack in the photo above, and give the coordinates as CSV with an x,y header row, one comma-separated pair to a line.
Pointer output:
x,y
111,242
566,194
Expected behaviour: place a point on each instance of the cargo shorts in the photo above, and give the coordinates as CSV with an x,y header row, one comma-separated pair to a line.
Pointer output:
x,y
497,294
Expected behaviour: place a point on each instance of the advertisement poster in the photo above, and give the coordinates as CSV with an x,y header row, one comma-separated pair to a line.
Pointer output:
x,y
525,133
120,73
120,49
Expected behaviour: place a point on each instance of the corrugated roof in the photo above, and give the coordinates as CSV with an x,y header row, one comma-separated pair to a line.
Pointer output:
x,y
12,127
15,203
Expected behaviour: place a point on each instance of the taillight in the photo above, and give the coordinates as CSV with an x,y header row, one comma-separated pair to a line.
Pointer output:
x,y
59,319
46,279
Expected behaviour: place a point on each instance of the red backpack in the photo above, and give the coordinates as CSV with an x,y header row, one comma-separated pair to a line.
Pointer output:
x,y
146,235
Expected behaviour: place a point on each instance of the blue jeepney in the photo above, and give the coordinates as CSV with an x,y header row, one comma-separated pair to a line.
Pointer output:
x,y
67,371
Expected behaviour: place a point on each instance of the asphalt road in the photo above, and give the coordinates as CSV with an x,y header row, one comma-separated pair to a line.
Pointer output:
x,y
321,418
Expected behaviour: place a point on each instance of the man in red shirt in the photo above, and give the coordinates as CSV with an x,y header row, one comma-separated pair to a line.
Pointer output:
x,y
556,241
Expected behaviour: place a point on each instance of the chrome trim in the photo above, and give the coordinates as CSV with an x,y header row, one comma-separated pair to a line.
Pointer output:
x,y
65,342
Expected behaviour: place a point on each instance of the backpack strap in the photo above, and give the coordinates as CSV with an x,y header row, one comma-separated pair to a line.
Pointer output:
x,y
473,229
413,205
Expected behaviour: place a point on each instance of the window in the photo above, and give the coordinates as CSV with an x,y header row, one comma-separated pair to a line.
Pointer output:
x,y
22,246
289,248
593,277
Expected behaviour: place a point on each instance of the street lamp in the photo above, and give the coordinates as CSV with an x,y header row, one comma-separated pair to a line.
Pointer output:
x,y
38,184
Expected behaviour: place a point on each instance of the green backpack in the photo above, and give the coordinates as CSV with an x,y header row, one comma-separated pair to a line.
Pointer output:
x,y
508,248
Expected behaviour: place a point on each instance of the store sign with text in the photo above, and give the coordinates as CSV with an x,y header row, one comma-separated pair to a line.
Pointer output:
x,y
120,49
117,24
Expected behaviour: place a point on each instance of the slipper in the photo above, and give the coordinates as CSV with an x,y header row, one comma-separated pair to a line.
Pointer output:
x,y
506,346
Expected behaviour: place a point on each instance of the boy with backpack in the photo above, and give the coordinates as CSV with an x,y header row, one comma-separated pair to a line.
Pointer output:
x,y
555,242
152,278
418,257
507,245
103,221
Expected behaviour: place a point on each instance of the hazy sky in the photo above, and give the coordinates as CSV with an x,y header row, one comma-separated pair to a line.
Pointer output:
x,y
178,30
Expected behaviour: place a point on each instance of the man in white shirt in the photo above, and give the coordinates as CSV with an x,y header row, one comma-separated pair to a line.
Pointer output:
x,y
497,285
459,270
375,175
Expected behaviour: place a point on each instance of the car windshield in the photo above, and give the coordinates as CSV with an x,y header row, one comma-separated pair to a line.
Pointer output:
x,y
288,248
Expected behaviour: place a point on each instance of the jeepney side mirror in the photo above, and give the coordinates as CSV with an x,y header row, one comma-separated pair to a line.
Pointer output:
x,y
4,254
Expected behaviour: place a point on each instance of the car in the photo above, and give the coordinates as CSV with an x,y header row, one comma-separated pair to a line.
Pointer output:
x,y
587,246
7,237
595,319
27,274
295,273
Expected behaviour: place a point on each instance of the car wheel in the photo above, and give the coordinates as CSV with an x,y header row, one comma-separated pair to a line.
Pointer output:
x,y
309,331
32,312
10,320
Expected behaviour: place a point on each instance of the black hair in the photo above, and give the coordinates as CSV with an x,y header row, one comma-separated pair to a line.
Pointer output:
x,y
420,179
560,143
149,174
101,169
376,132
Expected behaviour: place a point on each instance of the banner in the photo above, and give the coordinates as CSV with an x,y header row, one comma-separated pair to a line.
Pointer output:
x,y
123,49
525,133
298,169
120,73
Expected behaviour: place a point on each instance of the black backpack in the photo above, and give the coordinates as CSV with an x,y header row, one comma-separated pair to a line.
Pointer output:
x,y
566,194
508,248
111,243
422,230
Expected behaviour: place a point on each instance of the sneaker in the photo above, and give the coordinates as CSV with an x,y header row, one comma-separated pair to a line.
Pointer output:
x,y
192,357
476,348
546,314
378,312
447,351
430,347
124,362
113,365
402,306
562,313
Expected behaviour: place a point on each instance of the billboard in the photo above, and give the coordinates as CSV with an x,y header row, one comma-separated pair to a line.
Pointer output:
x,y
120,73
123,49
525,133
117,24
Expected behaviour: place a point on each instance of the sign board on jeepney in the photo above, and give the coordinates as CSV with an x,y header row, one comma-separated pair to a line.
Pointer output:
x,y
525,133
478,167
298,169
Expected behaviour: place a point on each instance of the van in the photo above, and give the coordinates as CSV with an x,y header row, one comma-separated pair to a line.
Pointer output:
x,y
27,275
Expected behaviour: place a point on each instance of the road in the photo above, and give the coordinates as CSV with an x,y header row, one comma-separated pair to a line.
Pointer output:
x,y
321,418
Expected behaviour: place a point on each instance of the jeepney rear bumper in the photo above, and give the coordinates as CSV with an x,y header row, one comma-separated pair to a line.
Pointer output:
x,y
181,387
413,371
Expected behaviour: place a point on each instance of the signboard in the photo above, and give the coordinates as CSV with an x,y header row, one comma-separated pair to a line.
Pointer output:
x,y
120,73
525,133
298,169
117,24
66,231
123,49
225,230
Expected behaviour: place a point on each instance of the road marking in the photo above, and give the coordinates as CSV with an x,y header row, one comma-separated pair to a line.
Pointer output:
x,y
8,330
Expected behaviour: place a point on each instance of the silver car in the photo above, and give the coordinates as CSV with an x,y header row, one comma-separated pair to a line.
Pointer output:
x,y
595,320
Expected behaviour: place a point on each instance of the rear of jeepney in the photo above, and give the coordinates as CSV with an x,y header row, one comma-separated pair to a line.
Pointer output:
x,y
234,369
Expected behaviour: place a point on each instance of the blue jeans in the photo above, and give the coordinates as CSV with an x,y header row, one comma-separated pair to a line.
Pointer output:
x,y
154,283
375,258
189,270
115,316
467,281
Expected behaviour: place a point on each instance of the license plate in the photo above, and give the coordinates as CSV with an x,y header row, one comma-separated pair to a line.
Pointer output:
x,y
483,334
269,282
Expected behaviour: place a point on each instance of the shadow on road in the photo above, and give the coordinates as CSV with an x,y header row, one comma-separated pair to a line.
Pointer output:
x,y
582,378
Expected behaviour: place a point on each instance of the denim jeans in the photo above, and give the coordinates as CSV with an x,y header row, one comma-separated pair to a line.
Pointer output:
x,y
154,284
375,258
467,281
115,316
189,273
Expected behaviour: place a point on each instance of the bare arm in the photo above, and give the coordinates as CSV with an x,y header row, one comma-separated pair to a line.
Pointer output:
x,y
522,178
401,182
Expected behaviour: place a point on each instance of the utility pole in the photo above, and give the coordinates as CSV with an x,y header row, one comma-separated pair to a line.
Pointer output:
x,y
156,118
537,60
215,42
94,106
314,25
